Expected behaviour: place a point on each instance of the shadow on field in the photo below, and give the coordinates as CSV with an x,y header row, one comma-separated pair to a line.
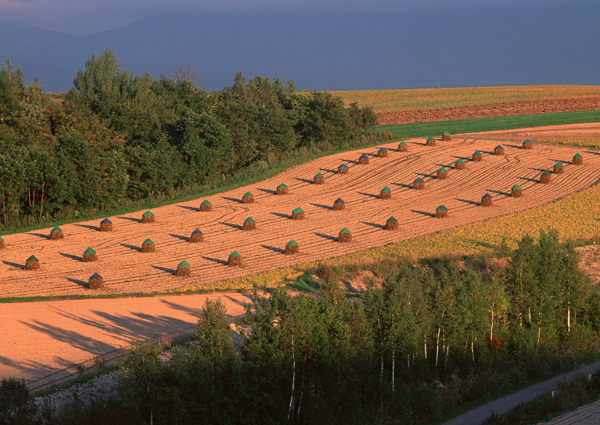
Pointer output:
x,y
426,214
272,192
370,195
135,220
350,161
215,260
39,235
18,266
528,179
233,226
228,198
185,207
498,192
405,186
282,215
325,207
71,256
466,201
423,175
375,225
328,237
183,238
78,282
328,170
87,226
274,249
164,269
132,247
304,180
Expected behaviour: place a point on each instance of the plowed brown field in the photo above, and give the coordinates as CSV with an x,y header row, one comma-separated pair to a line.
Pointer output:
x,y
127,270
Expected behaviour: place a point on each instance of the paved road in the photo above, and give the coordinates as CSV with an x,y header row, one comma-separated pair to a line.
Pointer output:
x,y
504,404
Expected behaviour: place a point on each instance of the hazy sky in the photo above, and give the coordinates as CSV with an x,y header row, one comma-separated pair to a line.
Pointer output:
x,y
91,16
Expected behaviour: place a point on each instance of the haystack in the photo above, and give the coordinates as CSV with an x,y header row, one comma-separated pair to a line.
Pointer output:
x,y
345,235
459,164
577,159
196,236
419,183
32,263
343,169
2,243
96,281
90,255
441,174
430,141
248,198
235,259
446,136
183,269
527,144
249,224
106,225
56,233
148,246
385,193
391,223
477,156
516,191
206,206
282,189
364,159
486,200
441,212
148,217
546,177
499,150
298,214
382,152
402,147
339,204
319,179
558,168
292,247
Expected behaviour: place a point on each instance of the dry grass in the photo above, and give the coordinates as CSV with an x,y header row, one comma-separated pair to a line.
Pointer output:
x,y
148,247
486,201
88,258
498,150
292,249
545,177
234,261
105,227
344,237
56,235
32,265
96,283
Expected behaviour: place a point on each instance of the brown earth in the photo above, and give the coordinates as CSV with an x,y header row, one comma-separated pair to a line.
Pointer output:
x,y
539,106
127,270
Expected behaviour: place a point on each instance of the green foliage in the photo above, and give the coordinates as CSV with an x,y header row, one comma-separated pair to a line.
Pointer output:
x,y
16,405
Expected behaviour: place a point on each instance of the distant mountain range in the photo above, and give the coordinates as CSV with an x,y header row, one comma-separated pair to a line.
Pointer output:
x,y
343,51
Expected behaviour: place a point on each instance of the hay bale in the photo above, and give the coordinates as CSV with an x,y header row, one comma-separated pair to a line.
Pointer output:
x,y
148,246
477,157
2,243
441,212
56,234
459,164
486,200
183,269
206,206
499,150
527,144
339,204
32,263
577,159
148,217
96,281
282,189
382,153
441,174
249,224
319,179
446,136
419,183
298,214
558,168
235,259
292,247
516,191
248,198
402,147
90,255
546,177
391,223
343,169
196,236
344,235
385,193
105,225
430,141
364,159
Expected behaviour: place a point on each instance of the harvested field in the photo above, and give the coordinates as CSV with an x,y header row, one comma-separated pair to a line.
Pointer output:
x,y
127,270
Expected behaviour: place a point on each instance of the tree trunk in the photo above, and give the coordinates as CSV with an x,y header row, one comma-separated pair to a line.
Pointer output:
x,y
393,371
437,346
291,408
425,345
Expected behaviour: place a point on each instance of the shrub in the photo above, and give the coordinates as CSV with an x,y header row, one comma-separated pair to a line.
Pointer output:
x,y
577,159
546,177
298,214
249,224
441,212
292,247
345,235
446,136
499,150
183,269
441,174
235,259
477,156
148,217
339,204
558,168
391,223
282,189
385,193
430,141
382,152
419,183
248,198
90,255
527,144
206,206
148,246
96,281
516,191
319,179
32,263
364,159
16,404
196,236
486,200
402,147
459,164
343,169
56,234
105,225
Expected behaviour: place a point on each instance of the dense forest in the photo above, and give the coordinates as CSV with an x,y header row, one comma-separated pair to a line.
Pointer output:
x,y
117,139
422,340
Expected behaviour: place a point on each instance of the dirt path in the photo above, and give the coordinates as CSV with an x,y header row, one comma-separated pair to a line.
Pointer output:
x,y
126,270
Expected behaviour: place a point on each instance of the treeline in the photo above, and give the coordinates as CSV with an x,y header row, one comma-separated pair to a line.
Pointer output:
x,y
117,138
425,340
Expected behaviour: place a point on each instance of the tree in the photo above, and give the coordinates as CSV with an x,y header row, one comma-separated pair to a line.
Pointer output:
x,y
16,405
